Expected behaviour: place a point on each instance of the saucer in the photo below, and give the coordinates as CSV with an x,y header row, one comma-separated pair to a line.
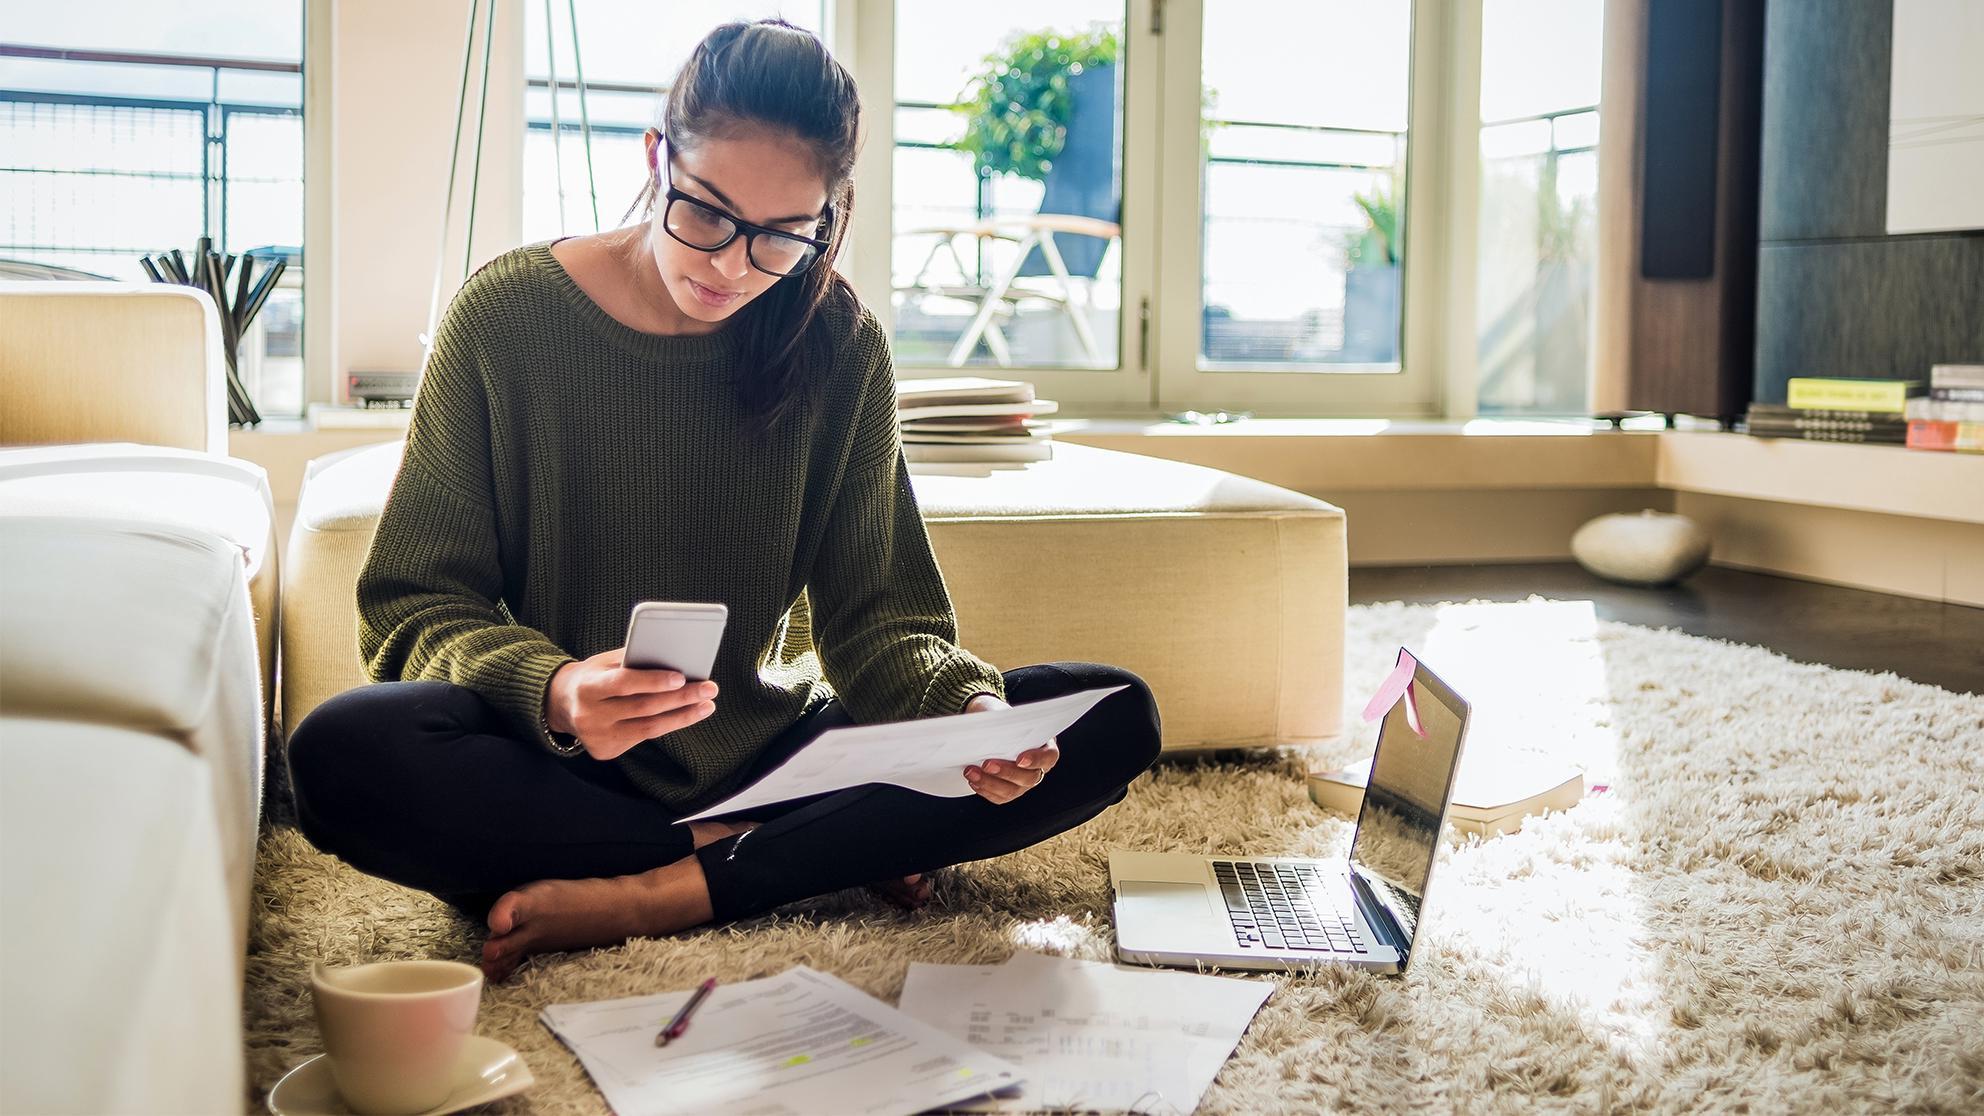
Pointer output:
x,y
489,1070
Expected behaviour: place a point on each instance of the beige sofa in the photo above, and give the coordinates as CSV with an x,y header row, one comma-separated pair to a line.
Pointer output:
x,y
137,611
1225,594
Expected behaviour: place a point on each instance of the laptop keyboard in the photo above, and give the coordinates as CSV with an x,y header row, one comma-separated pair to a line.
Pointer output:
x,y
1287,907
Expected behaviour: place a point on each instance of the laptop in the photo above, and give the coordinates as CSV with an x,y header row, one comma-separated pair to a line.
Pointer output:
x,y
1284,913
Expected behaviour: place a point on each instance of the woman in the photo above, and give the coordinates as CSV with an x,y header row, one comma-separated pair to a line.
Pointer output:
x,y
692,408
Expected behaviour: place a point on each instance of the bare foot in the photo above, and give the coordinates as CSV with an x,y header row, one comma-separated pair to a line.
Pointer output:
x,y
910,893
552,915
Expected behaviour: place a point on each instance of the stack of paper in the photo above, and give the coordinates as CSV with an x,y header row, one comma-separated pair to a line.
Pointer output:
x,y
969,421
799,1042
1089,1035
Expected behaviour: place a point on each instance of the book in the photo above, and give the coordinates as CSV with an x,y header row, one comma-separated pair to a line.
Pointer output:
x,y
1777,411
1956,376
944,390
1489,799
1891,435
947,410
1957,394
973,424
1959,437
1945,410
1021,451
972,438
1767,420
1822,394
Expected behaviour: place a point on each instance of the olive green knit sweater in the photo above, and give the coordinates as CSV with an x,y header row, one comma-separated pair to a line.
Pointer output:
x,y
561,466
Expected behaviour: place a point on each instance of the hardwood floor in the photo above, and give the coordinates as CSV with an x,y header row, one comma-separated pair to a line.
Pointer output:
x,y
1926,641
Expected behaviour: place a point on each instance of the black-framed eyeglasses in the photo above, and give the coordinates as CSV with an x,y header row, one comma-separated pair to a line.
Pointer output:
x,y
706,228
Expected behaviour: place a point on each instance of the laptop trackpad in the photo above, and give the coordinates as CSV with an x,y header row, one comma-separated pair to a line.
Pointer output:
x,y
1151,899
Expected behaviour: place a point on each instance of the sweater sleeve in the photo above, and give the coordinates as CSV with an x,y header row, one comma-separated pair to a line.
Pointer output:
x,y
885,629
430,592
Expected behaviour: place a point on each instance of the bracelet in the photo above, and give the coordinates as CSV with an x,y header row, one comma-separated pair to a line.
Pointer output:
x,y
551,739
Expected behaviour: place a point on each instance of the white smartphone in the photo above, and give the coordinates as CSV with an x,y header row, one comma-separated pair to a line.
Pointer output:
x,y
665,635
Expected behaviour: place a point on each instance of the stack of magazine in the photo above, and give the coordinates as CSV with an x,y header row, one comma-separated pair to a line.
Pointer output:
x,y
968,423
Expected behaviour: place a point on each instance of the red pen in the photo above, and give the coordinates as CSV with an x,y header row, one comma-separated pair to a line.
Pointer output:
x,y
680,1023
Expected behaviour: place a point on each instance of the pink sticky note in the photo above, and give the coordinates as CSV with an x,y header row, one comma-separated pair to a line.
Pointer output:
x,y
1397,685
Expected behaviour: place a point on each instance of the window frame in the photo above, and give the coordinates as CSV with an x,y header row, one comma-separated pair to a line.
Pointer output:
x,y
1158,332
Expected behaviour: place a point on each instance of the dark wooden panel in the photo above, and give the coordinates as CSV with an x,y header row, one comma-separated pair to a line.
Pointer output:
x,y
1883,308
1825,143
1693,341
1678,139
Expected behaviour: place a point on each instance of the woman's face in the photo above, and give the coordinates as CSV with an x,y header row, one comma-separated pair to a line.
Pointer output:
x,y
764,177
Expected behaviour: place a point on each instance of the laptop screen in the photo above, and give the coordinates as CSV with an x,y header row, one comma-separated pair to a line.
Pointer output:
x,y
1398,828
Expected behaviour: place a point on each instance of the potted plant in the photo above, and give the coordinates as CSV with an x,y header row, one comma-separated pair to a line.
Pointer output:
x,y
1371,282
1017,108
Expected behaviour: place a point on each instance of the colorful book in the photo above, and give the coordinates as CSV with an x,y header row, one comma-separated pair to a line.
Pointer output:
x,y
1959,437
1819,394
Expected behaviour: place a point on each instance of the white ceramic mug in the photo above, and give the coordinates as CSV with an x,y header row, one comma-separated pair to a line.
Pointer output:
x,y
394,1030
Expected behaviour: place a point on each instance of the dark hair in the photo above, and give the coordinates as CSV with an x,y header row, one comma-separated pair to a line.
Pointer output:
x,y
770,74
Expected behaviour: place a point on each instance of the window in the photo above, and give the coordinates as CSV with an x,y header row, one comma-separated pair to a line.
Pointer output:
x,y
134,128
1538,198
631,50
1008,184
1303,185
1382,208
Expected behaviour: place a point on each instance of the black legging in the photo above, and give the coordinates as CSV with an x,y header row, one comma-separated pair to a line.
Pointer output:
x,y
421,784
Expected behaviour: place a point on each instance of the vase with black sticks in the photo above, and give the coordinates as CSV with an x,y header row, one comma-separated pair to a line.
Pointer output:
x,y
211,272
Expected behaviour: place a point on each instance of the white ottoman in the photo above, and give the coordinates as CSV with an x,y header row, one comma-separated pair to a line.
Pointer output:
x,y
1225,594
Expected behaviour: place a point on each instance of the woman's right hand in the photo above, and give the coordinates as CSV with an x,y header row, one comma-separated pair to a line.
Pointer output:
x,y
611,707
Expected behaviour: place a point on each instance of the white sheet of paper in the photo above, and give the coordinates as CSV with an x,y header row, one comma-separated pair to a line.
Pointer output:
x,y
1088,1034
799,1042
927,755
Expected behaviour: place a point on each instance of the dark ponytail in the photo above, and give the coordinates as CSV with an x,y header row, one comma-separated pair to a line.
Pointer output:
x,y
770,74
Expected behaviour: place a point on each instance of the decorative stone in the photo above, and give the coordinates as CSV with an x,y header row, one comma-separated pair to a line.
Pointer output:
x,y
1651,548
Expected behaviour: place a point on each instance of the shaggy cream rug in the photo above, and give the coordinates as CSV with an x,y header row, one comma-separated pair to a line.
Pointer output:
x,y
1778,905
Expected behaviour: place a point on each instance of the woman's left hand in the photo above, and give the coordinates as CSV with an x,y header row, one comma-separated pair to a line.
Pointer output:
x,y
1001,781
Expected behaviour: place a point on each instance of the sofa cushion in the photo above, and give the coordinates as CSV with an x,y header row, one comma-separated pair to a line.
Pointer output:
x,y
143,627
121,988
1225,594
153,484
89,361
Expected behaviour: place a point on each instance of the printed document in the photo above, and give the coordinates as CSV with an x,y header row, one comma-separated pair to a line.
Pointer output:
x,y
1090,1035
927,755
799,1042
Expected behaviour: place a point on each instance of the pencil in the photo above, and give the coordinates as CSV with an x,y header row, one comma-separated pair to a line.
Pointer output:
x,y
680,1023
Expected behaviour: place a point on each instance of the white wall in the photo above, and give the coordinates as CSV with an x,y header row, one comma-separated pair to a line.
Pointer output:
x,y
377,137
